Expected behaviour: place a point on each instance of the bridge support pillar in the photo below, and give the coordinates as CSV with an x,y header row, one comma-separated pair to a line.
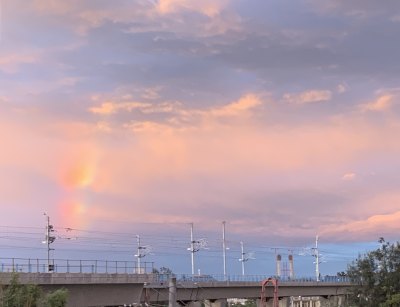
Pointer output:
x,y
283,302
194,304
172,292
216,303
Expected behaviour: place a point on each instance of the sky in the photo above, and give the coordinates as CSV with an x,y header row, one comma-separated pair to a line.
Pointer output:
x,y
141,116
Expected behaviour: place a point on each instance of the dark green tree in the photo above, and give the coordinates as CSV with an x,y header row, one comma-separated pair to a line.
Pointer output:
x,y
16,294
246,303
56,298
20,295
376,277
165,270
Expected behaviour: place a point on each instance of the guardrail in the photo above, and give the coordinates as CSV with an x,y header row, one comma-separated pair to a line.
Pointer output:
x,y
30,265
246,278
27,265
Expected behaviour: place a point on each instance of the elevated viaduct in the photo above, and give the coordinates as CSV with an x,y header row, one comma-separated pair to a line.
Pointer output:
x,y
101,289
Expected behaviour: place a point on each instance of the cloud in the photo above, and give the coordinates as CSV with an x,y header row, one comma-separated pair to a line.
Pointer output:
x,y
356,8
107,108
176,109
342,88
383,103
151,93
246,103
54,6
308,96
380,225
395,18
11,63
368,218
177,115
147,127
4,99
349,176
210,8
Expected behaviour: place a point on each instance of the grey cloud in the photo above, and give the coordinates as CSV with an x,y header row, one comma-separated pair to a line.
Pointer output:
x,y
264,52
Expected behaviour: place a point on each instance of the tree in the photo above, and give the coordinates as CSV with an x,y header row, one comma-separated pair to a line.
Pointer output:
x,y
165,270
19,295
246,303
376,277
56,298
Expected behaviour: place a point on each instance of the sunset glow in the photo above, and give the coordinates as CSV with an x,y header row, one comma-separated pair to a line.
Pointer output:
x,y
280,117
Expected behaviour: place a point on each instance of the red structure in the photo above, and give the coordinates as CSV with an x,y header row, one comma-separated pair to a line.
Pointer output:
x,y
265,283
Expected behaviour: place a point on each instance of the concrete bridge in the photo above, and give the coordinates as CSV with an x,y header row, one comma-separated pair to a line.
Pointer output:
x,y
88,290
101,289
247,290
217,292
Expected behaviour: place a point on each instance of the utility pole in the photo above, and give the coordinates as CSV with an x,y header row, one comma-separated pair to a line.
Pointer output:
x,y
49,239
245,256
242,259
142,251
139,254
316,255
195,246
224,248
192,250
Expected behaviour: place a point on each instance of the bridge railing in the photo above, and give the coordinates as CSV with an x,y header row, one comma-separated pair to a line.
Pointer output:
x,y
28,265
188,278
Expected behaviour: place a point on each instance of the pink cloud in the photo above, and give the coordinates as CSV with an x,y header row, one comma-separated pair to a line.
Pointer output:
x,y
373,227
216,156
10,63
368,219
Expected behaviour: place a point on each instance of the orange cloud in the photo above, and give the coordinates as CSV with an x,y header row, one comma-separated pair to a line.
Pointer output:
x,y
247,102
107,108
369,229
242,107
383,103
349,176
